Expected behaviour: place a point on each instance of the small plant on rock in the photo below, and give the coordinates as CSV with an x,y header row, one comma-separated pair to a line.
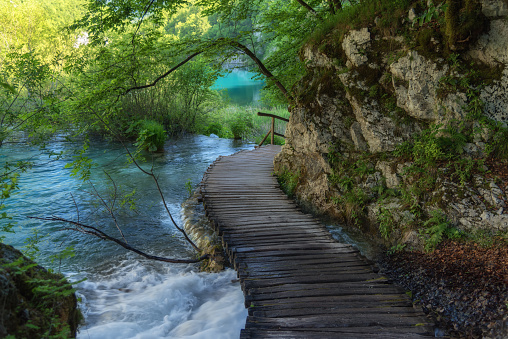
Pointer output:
x,y
288,181
385,219
437,228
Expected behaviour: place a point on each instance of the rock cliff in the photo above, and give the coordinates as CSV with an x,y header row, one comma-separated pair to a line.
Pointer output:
x,y
402,133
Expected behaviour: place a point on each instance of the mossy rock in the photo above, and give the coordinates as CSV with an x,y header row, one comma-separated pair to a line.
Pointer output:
x,y
35,303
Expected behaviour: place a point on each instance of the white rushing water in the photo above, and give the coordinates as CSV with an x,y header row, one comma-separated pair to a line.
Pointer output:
x,y
124,295
137,301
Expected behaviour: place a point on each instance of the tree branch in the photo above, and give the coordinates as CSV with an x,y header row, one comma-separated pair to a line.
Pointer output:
x,y
304,4
87,229
262,68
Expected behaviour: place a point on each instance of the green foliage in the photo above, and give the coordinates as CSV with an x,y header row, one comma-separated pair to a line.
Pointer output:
x,y
151,136
396,248
386,222
437,148
410,196
188,187
233,121
346,169
353,204
288,181
437,227
487,238
82,165
430,13
498,145
361,14
241,125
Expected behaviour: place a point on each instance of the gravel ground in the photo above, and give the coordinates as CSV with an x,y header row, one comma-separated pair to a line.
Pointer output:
x,y
462,285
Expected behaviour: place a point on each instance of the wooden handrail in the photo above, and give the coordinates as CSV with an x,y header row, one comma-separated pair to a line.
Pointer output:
x,y
272,129
261,114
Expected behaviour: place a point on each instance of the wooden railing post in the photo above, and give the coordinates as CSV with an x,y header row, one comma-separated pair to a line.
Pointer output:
x,y
273,130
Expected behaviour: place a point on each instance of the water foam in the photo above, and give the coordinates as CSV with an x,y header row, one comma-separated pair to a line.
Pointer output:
x,y
138,302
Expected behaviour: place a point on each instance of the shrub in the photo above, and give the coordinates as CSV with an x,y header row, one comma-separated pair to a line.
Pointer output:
x,y
151,136
241,125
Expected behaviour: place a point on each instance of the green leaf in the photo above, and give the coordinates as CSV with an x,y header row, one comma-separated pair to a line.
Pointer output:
x,y
8,87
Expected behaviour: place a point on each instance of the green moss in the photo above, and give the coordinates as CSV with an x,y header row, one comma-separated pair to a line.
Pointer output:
x,y
464,23
288,181
389,12
318,81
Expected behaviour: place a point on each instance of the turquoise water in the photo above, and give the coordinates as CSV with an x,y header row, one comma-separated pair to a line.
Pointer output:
x,y
125,295
240,87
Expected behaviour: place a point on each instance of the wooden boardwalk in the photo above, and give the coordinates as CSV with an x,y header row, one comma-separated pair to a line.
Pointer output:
x,y
297,280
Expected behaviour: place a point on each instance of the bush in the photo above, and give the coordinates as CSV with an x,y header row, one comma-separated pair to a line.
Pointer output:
x,y
241,125
151,136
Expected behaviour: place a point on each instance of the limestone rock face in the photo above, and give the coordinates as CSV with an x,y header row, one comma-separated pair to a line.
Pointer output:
x,y
378,101
355,46
27,313
416,80
494,8
495,98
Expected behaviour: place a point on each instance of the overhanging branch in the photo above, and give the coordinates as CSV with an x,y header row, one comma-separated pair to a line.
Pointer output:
x,y
87,229
235,44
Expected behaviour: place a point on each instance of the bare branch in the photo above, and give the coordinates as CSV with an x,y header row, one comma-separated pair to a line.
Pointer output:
x,y
189,58
76,205
87,229
147,8
235,44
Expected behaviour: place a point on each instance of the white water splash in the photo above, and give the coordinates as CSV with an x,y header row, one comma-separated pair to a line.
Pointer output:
x,y
137,303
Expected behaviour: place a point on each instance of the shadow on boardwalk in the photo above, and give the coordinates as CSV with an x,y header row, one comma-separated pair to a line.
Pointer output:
x,y
297,280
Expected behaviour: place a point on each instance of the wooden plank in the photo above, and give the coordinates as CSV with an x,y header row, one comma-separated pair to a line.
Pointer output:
x,y
296,312
332,321
364,300
362,333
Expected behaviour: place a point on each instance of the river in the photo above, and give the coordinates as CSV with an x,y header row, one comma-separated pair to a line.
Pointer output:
x,y
124,295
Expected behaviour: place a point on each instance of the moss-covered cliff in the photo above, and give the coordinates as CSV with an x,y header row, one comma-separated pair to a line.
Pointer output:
x,y
399,129
399,126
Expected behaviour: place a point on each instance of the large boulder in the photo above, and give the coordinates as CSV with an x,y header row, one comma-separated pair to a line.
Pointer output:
x,y
34,302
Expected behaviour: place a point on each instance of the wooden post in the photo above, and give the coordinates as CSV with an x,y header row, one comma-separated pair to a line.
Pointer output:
x,y
273,129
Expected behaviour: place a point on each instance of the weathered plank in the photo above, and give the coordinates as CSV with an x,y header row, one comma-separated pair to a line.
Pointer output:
x,y
297,280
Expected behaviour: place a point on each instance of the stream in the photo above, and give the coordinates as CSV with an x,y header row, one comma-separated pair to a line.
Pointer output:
x,y
125,295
